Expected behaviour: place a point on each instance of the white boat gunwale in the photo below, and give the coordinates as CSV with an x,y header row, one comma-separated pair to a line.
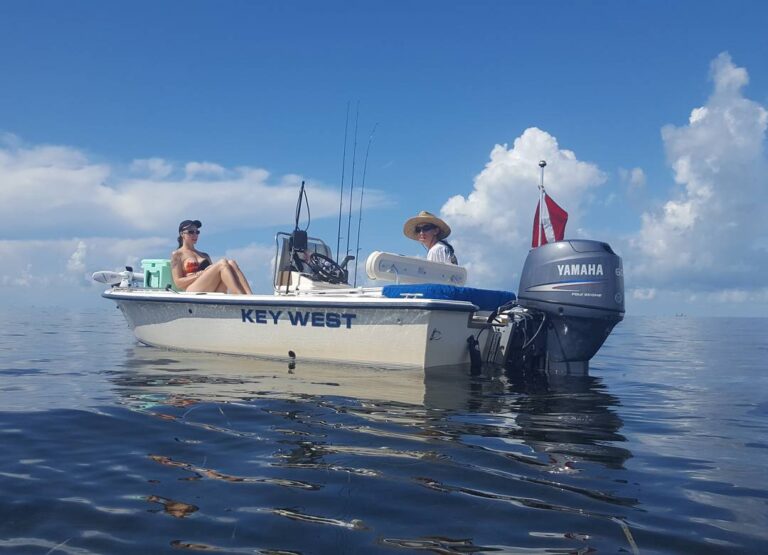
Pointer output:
x,y
415,303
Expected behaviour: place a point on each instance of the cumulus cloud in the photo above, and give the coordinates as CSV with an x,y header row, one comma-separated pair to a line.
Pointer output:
x,y
643,294
76,262
711,233
195,169
67,262
47,190
49,187
634,178
154,168
493,222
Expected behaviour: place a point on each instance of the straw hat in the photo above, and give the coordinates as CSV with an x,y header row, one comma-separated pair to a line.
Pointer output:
x,y
426,218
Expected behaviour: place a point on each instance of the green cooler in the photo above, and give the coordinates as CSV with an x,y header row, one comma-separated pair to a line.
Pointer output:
x,y
157,273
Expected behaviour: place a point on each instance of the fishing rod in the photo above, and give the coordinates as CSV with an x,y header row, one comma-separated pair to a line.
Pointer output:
x,y
352,183
362,193
341,192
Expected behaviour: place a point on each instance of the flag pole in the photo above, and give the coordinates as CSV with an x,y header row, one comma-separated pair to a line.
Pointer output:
x,y
542,165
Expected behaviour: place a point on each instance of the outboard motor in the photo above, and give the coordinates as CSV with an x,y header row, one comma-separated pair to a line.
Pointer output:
x,y
575,291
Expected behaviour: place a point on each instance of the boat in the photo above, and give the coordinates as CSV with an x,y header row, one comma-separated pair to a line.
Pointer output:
x,y
420,314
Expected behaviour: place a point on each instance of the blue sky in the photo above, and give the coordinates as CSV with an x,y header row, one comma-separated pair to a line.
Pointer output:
x,y
119,120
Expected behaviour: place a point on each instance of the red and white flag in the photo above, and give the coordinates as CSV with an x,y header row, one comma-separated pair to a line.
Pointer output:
x,y
549,222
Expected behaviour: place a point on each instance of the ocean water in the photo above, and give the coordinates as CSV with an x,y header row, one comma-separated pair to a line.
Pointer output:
x,y
108,446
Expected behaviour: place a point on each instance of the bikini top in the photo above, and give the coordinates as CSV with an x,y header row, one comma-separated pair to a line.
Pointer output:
x,y
192,265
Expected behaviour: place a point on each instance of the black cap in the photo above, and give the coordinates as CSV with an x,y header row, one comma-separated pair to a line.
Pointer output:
x,y
186,224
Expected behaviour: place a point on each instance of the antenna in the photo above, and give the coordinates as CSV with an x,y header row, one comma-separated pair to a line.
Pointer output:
x,y
352,184
302,195
341,192
362,192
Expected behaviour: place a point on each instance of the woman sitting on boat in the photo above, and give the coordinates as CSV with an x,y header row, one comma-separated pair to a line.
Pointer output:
x,y
431,232
193,270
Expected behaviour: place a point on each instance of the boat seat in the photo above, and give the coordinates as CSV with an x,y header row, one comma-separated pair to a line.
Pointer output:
x,y
485,299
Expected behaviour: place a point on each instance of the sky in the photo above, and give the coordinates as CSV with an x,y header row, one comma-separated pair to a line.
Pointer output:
x,y
119,120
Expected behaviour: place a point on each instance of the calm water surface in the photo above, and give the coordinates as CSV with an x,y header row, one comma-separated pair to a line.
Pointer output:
x,y
112,447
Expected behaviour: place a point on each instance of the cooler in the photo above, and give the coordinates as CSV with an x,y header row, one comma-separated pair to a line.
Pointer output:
x,y
157,273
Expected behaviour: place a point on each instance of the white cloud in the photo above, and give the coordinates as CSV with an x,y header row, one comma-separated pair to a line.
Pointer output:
x,y
711,233
635,178
727,296
76,262
154,168
49,190
493,223
67,262
194,169
50,187
731,296
643,294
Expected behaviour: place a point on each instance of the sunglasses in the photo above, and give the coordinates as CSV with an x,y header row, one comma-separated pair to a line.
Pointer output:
x,y
192,232
425,227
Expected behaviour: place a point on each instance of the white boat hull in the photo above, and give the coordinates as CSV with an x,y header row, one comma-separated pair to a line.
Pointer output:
x,y
420,333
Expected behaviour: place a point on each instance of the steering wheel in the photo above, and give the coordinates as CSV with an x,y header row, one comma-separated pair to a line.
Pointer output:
x,y
326,268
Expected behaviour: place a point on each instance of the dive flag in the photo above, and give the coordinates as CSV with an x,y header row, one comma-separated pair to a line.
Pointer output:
x,y
549,223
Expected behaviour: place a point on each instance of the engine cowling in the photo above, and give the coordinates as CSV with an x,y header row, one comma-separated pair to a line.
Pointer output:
x,y
579,286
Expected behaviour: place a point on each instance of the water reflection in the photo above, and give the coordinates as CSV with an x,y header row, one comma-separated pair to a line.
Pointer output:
x,y
568,418
167,377
572,418
559,420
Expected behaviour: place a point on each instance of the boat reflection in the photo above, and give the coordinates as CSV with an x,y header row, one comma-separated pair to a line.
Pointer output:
x,y
155,376
568,418
571,418
562,419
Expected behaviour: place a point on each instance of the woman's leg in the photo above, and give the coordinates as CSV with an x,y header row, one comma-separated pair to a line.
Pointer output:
x,y
208,281
228,277
218,277
240,277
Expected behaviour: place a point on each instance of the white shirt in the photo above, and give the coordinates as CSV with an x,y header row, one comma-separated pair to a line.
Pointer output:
x,y
439,253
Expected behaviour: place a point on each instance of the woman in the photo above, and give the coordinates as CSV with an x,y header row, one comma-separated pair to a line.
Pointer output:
x,y
431,231
193,270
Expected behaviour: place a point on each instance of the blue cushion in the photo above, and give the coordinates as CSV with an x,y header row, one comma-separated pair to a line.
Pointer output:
x,y
485,299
